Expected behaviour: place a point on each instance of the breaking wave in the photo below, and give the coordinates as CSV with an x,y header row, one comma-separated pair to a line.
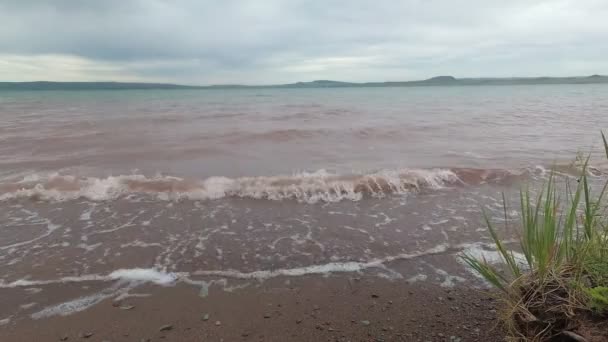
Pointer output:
x,y
304,187
307,187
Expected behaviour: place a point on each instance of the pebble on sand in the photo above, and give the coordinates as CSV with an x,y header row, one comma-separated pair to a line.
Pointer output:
x,y
166,327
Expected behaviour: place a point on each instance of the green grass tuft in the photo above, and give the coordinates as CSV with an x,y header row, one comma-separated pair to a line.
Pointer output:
x,y
565,245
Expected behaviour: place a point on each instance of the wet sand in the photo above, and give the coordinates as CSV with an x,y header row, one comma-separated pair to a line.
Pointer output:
x,y
310,308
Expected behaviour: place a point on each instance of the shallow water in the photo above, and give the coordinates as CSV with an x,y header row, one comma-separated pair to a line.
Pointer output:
x,y
229,187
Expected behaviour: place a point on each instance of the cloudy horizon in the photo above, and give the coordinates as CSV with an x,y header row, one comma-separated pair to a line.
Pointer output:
x,y
274,41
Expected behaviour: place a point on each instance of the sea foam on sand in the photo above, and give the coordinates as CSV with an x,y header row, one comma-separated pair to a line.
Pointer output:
x,y
145,275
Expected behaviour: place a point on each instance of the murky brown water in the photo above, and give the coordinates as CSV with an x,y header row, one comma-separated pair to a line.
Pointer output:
x,y
232,187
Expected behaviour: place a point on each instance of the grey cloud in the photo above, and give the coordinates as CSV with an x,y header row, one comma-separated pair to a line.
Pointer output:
x,y
255,41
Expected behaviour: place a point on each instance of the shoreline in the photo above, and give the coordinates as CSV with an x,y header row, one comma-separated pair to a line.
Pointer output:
x,y
334,308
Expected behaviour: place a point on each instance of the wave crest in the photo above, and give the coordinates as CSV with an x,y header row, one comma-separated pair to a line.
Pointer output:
x,y
304,187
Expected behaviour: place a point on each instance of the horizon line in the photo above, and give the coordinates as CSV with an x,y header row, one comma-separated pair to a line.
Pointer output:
x,y
440,78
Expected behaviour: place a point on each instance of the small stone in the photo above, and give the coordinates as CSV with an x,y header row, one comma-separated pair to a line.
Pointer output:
x,y
375,295
166,327
245,334
298,321
218,323
450,298
86,334
574,336
206,317
127,307
440,335
331,329
440,299
63,338
365,322
266,315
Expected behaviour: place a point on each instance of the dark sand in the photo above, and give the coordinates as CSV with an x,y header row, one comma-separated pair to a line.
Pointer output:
x,y
336,308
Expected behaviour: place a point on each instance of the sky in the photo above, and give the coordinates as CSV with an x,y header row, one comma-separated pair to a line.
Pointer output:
x,y
282,41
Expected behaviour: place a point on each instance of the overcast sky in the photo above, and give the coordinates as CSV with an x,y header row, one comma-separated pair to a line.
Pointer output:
x,y
279,41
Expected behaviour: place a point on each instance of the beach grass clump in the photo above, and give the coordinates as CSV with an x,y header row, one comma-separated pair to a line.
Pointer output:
x,y
558,290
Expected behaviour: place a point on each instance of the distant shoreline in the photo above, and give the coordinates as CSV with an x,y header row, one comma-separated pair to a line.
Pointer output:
x,y
435,81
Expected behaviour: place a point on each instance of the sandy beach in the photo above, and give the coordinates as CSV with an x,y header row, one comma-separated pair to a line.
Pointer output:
x,y
336,308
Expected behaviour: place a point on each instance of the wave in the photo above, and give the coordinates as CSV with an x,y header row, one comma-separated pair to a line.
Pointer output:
x,y
307,187
319,186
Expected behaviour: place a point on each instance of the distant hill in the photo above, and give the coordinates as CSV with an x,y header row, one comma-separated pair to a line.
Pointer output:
x,y
435,81
452,81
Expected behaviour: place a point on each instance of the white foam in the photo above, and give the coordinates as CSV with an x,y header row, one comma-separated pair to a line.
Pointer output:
x,y
145,275
28,283
332,267
70,307
89,248
86,215
5,321
133,275
482,251
137,276
449,280
27,306
417,277
82,303
50,228
305,187
139,243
